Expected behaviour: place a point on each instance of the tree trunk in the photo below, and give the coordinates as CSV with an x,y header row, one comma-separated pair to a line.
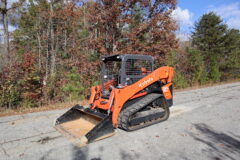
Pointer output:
x,y
53,55
65,38
4,12
47,56
39,52
39,43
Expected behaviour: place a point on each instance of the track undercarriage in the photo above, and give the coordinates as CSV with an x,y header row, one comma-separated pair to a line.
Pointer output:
x,y
149,110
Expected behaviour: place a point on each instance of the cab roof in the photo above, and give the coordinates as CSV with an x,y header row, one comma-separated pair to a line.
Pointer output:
x,y
119,57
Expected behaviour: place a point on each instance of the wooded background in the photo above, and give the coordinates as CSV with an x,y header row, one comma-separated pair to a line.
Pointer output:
x,y
53,54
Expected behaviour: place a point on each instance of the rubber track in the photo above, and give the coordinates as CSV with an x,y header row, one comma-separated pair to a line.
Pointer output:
x,y
132,109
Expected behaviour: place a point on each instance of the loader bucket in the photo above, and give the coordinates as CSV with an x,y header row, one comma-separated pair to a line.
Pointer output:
x,y
84,125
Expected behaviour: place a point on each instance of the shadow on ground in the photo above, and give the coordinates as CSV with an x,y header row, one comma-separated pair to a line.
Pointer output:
x,y
79,153
220,145
82,154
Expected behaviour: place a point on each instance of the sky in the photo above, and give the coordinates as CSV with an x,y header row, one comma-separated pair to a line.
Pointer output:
x,y
190,11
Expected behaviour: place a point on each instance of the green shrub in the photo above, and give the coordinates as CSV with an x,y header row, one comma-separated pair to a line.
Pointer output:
x,y
179,81
73,89
10,95
214,74
196,67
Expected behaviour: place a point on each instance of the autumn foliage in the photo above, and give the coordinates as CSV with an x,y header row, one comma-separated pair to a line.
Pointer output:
x,y
57,45
136,27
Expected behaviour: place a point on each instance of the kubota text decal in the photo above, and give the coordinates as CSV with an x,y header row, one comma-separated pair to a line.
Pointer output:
x,y
146,82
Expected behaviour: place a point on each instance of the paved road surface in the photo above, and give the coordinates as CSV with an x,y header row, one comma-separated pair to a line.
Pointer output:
x,y
204,124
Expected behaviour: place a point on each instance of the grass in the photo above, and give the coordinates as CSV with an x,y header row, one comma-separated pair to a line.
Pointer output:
x,y
207,85
22,110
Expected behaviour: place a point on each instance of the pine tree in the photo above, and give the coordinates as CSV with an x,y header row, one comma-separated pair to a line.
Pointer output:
x,y
230,61
209,38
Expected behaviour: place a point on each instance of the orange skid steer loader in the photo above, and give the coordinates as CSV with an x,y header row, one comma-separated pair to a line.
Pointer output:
x,y
132,95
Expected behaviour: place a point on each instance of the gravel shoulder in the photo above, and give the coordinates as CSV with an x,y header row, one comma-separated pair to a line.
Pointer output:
x,y
203,124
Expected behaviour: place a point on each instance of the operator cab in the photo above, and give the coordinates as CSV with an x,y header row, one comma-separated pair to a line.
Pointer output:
x,y
125,69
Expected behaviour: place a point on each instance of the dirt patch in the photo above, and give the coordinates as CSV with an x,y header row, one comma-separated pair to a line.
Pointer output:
x,y
78,128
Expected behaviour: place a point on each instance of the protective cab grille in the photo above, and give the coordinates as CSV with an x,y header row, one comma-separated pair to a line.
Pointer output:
x,y
136,69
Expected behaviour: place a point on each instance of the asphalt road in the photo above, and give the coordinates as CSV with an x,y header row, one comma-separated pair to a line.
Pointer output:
x,y
204,124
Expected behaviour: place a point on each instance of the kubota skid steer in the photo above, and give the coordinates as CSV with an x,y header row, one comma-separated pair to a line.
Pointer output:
x,y
132,96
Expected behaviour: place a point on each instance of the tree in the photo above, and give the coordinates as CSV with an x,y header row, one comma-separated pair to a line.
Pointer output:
x,y
4,10
209,38
120,27
230,61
